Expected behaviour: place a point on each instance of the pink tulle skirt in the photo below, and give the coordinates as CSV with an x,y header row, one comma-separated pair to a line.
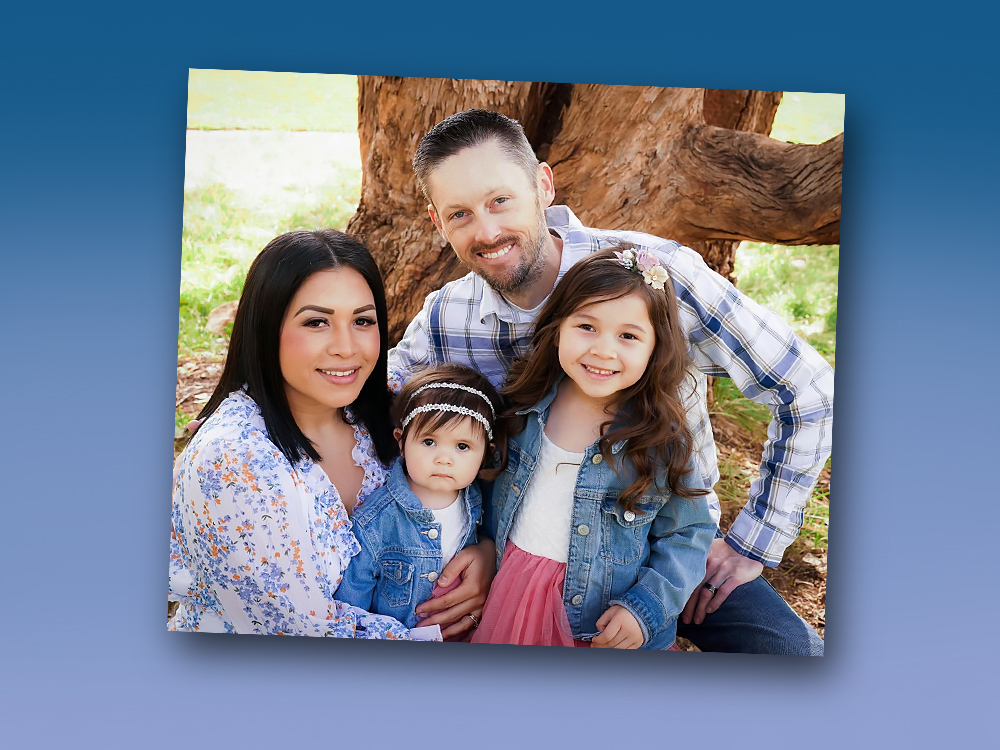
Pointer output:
x,y
525,603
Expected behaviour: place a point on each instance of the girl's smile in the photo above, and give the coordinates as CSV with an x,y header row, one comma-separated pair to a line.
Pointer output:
x,y
605,346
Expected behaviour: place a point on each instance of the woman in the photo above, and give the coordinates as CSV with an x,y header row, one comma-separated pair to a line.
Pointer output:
x,y
296,433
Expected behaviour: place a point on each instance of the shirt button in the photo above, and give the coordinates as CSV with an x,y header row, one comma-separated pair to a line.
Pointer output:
x,y
583,529
432,576
628,515
432,534
597,458
576,601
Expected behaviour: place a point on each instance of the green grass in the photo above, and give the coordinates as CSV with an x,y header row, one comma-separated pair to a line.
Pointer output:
x,y
816,522
221,238
217,246
735,477
248,100
730,403
799,283
803,117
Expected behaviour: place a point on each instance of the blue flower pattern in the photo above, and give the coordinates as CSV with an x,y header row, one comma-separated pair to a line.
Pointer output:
x,y
259,545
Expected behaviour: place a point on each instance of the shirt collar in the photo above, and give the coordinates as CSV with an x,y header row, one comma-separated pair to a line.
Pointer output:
x,y
558,219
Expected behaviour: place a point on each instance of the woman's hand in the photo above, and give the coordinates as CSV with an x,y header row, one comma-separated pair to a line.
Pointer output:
x,y
475,566
619,629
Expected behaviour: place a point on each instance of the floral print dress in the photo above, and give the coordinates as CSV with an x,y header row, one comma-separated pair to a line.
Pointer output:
x,y
258,545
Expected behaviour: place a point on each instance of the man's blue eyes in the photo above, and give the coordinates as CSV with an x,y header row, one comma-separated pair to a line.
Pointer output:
x,y
462,214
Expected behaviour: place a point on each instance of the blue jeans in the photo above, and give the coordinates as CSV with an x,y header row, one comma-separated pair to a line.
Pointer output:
x,y
754,619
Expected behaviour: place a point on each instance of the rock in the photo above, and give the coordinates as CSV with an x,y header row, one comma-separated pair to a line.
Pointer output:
x,y
221,316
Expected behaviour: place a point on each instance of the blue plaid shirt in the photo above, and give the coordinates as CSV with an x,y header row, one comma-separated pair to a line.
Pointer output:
x,y
728,335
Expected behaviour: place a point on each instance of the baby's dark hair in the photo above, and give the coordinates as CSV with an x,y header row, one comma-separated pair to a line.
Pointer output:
x,y
462,387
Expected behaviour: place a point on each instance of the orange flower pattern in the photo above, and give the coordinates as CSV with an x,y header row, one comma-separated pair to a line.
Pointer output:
x,y
259,545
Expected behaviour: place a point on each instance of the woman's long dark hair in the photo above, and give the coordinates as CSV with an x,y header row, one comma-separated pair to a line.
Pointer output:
x,y
651,415
272,281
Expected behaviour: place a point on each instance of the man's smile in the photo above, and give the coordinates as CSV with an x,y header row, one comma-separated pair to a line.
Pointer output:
x,y
498,253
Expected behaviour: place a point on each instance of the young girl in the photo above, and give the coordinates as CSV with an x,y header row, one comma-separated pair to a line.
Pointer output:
x,y
411,527
600,529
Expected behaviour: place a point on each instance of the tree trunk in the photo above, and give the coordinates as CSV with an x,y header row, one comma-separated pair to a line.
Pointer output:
x,y
693,165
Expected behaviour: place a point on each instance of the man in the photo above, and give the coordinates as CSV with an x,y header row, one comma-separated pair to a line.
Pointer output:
x,y
491,199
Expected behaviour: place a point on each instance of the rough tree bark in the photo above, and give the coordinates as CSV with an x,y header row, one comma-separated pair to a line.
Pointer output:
x,y
694,165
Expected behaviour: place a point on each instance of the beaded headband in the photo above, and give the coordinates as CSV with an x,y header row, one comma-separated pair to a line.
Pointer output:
x,y
645,264
466,388
452,408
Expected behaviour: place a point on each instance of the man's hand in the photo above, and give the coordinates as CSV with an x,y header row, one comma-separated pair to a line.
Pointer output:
x,y
726,569
476,566
619,629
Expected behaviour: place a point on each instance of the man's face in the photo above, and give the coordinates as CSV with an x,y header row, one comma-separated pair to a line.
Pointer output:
x,y
492,213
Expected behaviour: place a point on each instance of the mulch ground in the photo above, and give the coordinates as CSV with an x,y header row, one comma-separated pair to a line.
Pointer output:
x,y
800,579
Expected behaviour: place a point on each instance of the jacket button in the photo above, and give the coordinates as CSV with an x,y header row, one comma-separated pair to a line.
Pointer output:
x,y
576,601
514,487
432,576
628,515
432,534
597,458
583,529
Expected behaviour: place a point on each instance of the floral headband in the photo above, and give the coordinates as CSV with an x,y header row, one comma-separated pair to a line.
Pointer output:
x,y
453,408
645,263
459,386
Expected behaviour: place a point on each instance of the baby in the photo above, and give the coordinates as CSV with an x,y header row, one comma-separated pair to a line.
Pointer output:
x,y
429,508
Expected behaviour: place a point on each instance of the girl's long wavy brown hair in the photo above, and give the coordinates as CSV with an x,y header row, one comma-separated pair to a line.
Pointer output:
x,y
650,415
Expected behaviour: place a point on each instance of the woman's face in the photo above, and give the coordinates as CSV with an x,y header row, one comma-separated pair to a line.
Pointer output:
x,y
329,341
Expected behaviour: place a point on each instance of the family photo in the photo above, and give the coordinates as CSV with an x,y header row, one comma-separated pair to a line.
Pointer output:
x,y
501,362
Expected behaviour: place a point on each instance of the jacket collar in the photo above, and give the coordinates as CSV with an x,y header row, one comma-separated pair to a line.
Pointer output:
x,y
542,410
399,488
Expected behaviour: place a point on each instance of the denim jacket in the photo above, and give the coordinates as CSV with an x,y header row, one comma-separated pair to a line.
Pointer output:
x,y
400,554
648,562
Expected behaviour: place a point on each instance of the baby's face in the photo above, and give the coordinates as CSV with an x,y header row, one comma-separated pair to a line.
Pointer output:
x,y
446,459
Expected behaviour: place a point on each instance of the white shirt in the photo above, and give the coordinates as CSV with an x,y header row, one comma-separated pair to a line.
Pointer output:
x,y
543,521
454,527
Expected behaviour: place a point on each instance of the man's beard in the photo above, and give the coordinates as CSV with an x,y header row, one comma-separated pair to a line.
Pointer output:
x,y
530,267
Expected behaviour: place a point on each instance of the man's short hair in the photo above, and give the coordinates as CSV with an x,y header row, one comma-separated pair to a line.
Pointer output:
x,y
467,129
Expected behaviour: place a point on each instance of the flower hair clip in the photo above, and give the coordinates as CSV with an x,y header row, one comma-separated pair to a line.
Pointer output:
x,y
645,264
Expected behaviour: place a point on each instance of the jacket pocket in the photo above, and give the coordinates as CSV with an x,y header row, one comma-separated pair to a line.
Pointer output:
x,y
397,582
623,533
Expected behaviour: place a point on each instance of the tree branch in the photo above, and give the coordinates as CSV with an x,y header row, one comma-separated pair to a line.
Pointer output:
x,y
739,185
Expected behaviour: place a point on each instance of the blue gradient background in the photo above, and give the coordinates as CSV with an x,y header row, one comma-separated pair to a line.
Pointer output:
x,y
93,124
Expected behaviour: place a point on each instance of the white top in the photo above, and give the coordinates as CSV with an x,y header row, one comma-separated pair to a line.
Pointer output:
x,y
542,524
454,527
